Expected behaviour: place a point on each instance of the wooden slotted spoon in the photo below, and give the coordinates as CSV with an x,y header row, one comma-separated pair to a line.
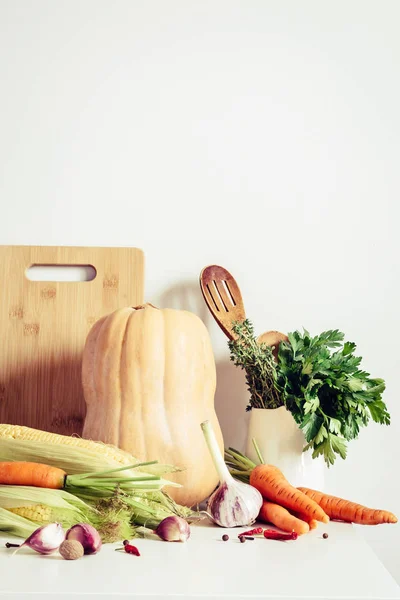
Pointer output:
x,y
224,300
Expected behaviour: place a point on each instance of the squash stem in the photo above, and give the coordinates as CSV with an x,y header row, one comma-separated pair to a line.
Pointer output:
x,y
216,455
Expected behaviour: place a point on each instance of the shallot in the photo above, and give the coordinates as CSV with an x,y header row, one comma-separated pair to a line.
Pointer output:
x,y
173,529
87,535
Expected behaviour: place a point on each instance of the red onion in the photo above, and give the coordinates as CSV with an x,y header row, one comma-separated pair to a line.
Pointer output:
x,y
87,535
173,529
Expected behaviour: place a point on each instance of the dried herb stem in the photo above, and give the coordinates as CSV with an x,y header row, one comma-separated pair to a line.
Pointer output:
x,y
258,362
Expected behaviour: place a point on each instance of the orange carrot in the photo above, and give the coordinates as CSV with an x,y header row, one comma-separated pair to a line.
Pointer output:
x,y
33,474
274,486
312,523
339,509
280,517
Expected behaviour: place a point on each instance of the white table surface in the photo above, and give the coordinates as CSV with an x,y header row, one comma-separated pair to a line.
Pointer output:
x,y
340,567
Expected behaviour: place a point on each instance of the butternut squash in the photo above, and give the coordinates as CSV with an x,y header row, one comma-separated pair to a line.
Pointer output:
x,y
149,381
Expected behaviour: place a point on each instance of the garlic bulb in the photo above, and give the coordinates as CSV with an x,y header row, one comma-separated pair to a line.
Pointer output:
x,y
233,503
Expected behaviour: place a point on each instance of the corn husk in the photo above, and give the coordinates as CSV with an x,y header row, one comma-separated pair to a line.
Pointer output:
x,y
62,507
113,523
78,460
15,525
116,515
146,509
12,496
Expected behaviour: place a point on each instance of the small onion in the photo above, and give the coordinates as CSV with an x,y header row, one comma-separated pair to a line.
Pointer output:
x,y
173,529
87,535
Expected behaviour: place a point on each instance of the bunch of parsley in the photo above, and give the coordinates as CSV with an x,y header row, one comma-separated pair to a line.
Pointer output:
x,y
320,382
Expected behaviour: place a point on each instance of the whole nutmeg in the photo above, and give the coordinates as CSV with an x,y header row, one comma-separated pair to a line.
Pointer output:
x,y
71,550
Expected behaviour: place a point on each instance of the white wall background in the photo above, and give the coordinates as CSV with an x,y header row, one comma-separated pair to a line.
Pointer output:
x,y
260,135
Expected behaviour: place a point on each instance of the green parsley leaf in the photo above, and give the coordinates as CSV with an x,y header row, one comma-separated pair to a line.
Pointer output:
x,y
334,425
322,433
311,425
325,449
355,384
378,411
338,445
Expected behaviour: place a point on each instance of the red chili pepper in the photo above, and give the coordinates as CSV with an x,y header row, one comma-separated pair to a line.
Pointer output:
x,y
255,531
271,534
130,549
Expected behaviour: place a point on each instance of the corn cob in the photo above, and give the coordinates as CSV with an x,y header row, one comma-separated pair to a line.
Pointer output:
x,y
41,514
108,451
36,512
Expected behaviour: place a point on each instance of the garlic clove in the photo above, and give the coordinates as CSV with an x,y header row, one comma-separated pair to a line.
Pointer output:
x,y
45,539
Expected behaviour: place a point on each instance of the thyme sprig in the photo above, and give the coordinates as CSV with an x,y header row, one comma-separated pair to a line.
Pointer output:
x,y
258,362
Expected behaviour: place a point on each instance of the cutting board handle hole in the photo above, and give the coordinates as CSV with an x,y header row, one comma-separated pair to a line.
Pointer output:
x,y
67,273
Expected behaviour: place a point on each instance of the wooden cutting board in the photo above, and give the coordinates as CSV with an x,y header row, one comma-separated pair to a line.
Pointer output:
x,y
44,324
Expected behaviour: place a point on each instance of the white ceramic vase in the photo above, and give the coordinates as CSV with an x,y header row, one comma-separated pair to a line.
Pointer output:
x,y
281,443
